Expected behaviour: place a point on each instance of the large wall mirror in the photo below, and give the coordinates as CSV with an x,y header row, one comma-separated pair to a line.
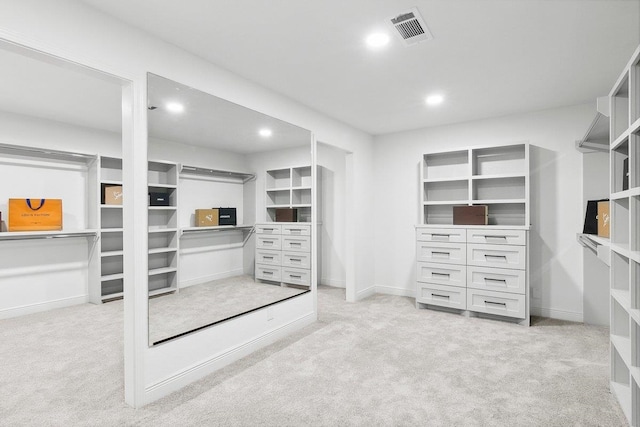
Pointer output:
x,y
222,180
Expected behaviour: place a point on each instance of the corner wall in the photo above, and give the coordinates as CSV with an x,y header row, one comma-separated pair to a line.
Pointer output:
x,y
556,200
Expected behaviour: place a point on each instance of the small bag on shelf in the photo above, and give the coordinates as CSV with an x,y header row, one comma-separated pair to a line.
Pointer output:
x,y
35,214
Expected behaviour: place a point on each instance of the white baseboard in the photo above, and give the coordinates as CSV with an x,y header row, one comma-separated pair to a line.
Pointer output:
x,y
210,277
194,373
557,314
6,313
388,290
365,293
336,283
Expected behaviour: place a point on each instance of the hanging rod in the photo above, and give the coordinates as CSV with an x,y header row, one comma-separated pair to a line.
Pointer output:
x,y
45,152
194,170
6,236
191,230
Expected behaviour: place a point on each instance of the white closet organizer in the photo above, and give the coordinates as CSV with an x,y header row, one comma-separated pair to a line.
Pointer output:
x,y
289,188
283,253
475,269
625,239
163,228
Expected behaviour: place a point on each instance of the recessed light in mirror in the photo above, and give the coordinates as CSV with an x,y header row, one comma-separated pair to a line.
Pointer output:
x,y
265,133
174,107
377,40
434,100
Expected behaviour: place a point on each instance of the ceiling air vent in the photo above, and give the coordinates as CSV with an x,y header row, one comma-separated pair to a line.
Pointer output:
x,y
411,27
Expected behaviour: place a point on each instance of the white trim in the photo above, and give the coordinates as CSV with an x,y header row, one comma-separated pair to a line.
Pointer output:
x,y
193,373
208,278
365,293
389,290
38,307
557,314
335,283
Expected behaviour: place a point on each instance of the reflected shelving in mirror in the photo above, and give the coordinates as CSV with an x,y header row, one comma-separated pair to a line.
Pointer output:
x,y
25,235
216,173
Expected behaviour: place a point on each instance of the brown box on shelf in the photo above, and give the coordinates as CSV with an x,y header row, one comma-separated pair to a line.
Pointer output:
x,y
286,215
603,219
471,215
206,217
112,194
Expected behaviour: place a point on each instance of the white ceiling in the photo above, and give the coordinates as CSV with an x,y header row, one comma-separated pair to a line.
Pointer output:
x,y
489,57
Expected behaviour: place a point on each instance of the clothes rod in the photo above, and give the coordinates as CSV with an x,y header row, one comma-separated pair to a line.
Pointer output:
x,y
46,151
7,236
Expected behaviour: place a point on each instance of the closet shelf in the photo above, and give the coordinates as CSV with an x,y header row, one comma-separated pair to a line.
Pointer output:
x,y
162,270
110,277
27,235
461,178
498,176
623,298
162,250
601,246
111,254
216,173
623,346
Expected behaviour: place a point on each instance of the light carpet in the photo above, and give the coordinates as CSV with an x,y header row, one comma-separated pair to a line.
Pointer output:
x,y
376,362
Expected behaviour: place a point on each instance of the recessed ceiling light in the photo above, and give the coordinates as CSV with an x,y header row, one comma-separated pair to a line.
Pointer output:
x,y
434,99
377,40
174,107
265,133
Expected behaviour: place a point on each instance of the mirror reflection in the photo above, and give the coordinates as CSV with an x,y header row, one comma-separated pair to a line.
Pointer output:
x,y
229,210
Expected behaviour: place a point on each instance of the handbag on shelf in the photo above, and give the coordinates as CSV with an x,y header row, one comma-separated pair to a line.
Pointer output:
x,y
35,215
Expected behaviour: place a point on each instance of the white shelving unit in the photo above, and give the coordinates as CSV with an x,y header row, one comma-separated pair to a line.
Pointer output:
x,y
163,236
625,239
479,269
497,176
289,188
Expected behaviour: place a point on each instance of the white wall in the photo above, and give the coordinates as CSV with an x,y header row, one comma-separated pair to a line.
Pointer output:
x,y
80,33
556,200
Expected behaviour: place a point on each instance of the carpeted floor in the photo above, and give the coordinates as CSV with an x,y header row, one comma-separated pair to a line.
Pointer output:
x,y
376,362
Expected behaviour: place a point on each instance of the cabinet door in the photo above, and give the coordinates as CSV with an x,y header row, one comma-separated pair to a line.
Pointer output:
x,y
443,253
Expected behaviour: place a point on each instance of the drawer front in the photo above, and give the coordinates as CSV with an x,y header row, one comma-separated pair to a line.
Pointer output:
x,y
445,274
268,272
296,259
268,257
448,235
296,230
496,279
296,243
268,242
504,304
497,237
296,276
500,256
443,253
268,229
444,296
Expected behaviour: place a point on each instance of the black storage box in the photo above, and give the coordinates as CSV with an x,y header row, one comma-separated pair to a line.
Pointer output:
x,y
226,216
158,199
591,217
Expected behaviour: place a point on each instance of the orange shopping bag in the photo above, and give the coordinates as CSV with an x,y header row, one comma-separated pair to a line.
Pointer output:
x,y
35,214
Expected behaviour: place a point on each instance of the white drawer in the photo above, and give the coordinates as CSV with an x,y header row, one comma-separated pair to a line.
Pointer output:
x,y
444,253
442,295
268,229
497,237
296,230
296,259
296,243
496,279
296,276
449,235
504,304
268,272
501,256
268,257
444,274
268,242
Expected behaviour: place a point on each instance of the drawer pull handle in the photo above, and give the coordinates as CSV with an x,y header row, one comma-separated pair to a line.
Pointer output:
x,y
268,242
489,279
295,276
268,229
495,237
441,296
441,253
295,244
295,230
267,272
296,259
495,303
434,273
440,236
267,257
504,257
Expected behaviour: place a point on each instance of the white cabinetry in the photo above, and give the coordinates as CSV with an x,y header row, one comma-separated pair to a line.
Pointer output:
x,y
283,253
625,239
476,269
289,188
